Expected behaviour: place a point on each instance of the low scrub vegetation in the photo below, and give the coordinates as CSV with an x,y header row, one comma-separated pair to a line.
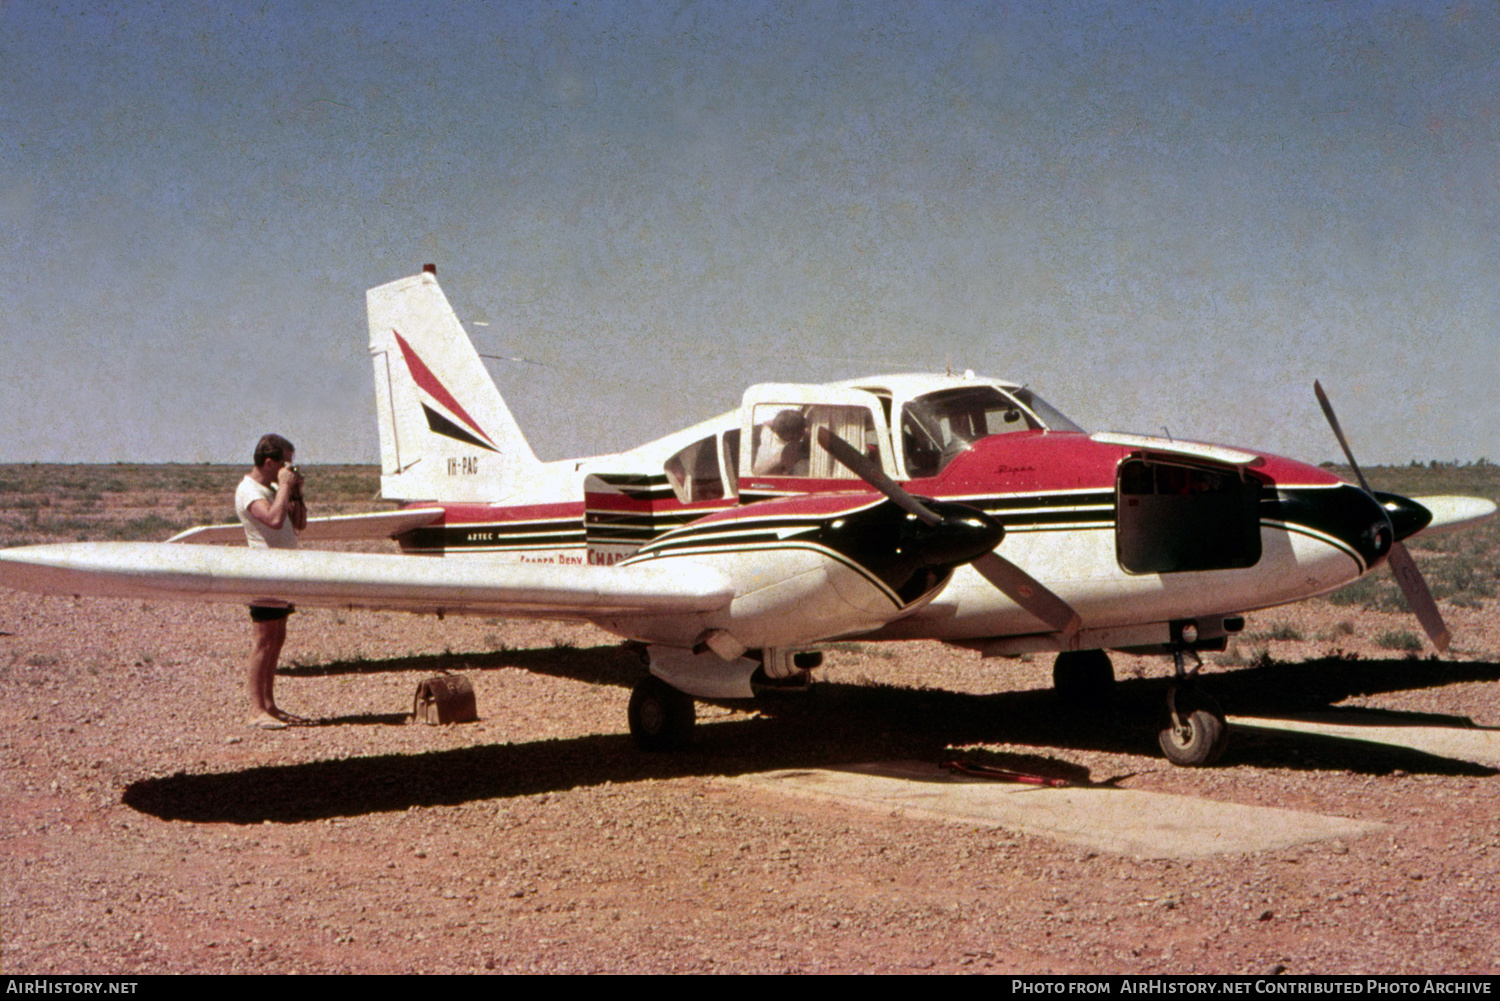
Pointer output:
x,y
42,502
1399,639
1283,631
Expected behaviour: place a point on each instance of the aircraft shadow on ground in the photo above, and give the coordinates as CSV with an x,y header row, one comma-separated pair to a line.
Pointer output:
x,y
1315,685
362,719
833,725
610,664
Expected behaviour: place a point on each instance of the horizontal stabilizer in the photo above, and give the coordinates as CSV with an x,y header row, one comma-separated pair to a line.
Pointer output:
x,y
357,580
338,528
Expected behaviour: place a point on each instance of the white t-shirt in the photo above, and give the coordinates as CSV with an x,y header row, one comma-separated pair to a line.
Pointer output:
x,y
773,456
259,535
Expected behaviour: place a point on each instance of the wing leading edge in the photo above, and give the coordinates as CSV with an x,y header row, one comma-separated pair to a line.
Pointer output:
x,y
357,580
338,528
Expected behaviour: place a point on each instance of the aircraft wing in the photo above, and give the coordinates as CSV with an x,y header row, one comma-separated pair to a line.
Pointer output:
x,y
358,580
339,528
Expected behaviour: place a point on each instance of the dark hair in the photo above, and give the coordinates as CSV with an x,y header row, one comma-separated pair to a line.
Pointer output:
x,y
272,446
789,424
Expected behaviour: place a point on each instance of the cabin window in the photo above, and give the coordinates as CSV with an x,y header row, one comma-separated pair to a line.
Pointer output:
x,y
694,471
732,456
939,426
785,439
1174,517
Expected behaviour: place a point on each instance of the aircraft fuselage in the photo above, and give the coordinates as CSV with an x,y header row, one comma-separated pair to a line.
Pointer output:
x,y
1133,539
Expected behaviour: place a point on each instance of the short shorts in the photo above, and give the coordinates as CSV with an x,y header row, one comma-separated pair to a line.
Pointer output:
x,y
270,613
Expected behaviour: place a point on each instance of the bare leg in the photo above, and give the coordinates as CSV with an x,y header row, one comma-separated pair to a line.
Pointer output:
x,y
269,636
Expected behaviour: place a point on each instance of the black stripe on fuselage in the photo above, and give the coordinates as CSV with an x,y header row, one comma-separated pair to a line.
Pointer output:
x,y
1041,512
877,539
1335,515
495,536
1342,515
606,526
637,487
1338,515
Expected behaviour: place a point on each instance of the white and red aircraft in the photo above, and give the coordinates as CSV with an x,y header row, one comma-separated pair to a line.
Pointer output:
x,y
957,508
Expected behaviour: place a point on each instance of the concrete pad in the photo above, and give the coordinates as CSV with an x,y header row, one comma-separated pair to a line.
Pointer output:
x,y
1479,745
1120,821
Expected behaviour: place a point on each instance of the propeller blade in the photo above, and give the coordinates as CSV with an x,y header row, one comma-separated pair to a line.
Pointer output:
x,y
1009,579
1028,592
1408,577
1338,432
863,467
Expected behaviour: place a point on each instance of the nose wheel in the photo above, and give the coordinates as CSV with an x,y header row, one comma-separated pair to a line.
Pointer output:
x,y
1192,731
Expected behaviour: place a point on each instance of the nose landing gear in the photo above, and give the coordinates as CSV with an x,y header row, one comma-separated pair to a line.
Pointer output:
x,y
1192,731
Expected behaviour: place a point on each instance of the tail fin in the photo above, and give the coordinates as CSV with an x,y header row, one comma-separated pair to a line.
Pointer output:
x,y
445,433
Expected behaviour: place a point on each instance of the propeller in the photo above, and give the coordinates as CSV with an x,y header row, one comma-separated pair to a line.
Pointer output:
x,y
1408,577
1015,583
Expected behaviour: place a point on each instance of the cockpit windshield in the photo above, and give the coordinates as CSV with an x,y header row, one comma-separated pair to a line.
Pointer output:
x,y
1053,418
937,427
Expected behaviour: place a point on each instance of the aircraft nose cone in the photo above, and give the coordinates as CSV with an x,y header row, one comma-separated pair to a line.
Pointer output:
x,y
964,535
1406,515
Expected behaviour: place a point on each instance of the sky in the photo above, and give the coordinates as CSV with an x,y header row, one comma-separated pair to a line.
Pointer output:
x,y
1167,216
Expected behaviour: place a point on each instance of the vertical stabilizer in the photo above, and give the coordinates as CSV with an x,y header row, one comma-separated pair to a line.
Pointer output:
x,y
445,432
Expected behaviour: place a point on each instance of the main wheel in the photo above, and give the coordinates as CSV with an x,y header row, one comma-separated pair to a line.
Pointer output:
x,y
1084,676
661,717
1198,735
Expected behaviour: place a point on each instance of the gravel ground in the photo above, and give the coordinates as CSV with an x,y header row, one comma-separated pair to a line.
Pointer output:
x,y
146,829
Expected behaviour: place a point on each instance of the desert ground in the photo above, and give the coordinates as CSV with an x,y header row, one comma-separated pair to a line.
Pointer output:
x,y
146,829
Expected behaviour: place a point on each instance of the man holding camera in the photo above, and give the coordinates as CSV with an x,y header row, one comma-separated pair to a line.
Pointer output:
x,y
270,506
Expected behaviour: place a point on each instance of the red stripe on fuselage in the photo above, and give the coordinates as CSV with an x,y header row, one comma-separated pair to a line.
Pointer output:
x,y
1020,463
1049,461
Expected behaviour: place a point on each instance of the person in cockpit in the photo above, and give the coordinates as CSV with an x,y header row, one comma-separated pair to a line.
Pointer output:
x,y
781,445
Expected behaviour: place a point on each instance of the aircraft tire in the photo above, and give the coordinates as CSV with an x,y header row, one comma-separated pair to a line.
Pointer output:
x,y
1203,736
1084,677
661,717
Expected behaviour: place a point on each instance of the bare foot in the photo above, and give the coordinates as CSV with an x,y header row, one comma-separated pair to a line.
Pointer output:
x,y
291,718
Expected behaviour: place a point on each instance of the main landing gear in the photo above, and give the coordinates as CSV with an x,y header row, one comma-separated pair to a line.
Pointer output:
x,y
661,717
1084,677
1192,731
